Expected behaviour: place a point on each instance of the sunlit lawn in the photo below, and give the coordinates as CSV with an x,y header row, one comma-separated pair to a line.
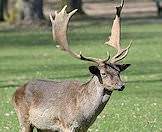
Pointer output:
x,y
31,53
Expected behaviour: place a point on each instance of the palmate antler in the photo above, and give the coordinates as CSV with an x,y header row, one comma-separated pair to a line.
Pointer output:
x,y
114,39
60,27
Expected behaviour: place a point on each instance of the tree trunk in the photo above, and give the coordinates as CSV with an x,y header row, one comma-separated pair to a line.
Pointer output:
x,y
3,9
73,4
77,4
30,11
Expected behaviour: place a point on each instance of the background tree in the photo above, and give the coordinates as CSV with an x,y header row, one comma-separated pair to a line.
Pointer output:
x,y
30,11
3,9
73,4
77,4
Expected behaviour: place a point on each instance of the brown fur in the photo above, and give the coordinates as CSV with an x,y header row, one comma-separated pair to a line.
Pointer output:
x,y
65,106
22,109
69,106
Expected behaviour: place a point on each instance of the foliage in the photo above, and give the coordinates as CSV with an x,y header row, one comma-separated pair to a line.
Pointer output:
x,y
30,53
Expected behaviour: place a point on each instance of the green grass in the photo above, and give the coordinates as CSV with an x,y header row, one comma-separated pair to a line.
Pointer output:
x,y
29,54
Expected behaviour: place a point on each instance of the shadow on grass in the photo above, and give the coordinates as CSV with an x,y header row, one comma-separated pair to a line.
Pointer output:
x,y
102,36
137,68
145,81
145,68
30,37
76,39
8,86
54,78
55,68
82,76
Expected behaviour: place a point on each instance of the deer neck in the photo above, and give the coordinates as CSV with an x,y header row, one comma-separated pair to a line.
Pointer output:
x,y
96,91
93,100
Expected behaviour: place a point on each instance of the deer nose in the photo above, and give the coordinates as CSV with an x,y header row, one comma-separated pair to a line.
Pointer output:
x,y
121,87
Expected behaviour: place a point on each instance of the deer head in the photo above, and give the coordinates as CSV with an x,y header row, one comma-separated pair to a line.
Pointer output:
x,y
107,70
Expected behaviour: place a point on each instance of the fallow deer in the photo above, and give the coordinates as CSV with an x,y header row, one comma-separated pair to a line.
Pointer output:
x,y
70,106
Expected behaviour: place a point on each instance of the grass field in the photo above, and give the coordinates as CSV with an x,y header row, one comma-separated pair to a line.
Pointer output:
x,y
30,53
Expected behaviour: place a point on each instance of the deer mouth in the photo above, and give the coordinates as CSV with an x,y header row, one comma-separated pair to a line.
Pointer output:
x,y
121,88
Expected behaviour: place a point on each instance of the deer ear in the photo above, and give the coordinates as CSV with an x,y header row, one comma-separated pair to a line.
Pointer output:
x,y
122,67
95,71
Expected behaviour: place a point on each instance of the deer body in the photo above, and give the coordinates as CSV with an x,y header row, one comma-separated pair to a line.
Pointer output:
x,y
62,106
69,106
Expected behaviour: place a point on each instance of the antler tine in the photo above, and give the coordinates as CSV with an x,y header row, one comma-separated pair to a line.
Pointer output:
x,y
122,54
114,39
59,30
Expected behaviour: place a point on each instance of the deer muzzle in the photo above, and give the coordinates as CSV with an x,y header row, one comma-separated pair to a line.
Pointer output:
x,y
120,87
